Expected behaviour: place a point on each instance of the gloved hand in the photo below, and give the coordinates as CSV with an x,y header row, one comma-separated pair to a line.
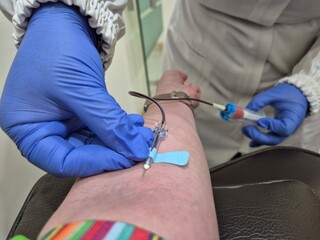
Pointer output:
x,y
290,106
55,87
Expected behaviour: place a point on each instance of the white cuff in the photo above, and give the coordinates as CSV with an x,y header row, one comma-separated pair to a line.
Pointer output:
x,y
309,85
104,17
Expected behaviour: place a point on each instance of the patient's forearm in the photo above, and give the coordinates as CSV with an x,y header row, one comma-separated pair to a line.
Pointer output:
x,y
174,202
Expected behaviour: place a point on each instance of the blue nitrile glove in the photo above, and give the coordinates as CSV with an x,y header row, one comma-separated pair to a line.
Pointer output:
x,y
290,106
56,86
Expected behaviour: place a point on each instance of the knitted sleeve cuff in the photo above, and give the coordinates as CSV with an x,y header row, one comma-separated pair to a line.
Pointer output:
x,y
309,85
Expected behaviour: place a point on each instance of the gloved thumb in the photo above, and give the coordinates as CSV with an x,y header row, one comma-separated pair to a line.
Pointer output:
x,y
259,101
138,121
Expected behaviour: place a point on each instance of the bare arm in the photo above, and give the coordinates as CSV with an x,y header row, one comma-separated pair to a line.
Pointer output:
x,y
174,202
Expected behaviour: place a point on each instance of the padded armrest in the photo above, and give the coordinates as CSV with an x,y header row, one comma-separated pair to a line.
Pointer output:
x,y
275,163
43,200
274,210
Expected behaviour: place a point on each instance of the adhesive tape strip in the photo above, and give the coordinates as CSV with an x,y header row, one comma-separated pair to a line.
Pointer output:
x,y
175,158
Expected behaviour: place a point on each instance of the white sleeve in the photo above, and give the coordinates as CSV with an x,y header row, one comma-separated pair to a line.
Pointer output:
x,y
306,76
105,16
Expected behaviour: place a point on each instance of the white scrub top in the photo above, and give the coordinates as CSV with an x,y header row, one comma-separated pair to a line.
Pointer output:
x,y
234,49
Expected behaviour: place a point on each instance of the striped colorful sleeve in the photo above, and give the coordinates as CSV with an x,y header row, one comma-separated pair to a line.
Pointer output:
x,y
98,230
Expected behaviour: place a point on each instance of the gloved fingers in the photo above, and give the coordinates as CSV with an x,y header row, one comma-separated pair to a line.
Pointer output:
x,y
102,114
136,119
260,101
27,135
58,157
74,124
44,145
78,139
260,138
282,127
84,135
146,132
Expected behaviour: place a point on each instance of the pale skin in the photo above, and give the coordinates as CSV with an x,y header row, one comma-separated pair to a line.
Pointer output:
x,y
173,202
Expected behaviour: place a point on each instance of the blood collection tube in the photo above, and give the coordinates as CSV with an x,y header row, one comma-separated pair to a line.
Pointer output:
x,y
232,111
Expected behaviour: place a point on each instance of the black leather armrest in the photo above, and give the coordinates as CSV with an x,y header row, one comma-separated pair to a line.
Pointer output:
x,y
275,163
274,210
42,201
